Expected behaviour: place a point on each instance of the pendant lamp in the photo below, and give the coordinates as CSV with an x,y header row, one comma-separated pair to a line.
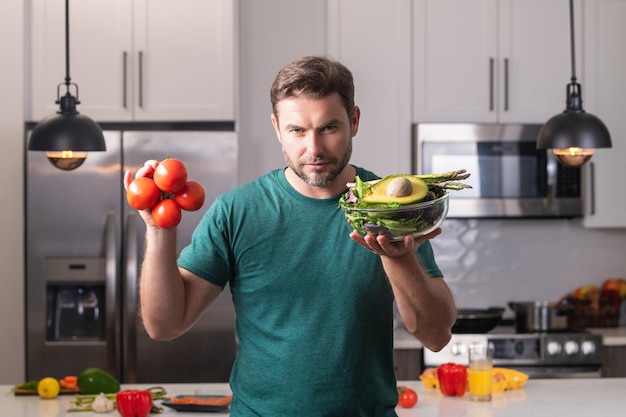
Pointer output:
x,y
67,135
574,134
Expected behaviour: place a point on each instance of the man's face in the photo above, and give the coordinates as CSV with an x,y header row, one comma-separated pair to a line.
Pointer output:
x,y
316,137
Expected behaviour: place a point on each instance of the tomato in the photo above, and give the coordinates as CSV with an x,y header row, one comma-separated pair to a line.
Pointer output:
x,y
170,175
407,398
190,197
166,214
142,193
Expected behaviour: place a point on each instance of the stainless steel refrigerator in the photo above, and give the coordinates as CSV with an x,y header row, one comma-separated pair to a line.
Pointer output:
x,y
84,248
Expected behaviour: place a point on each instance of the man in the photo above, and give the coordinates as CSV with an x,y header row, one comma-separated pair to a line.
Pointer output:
x,y
314,307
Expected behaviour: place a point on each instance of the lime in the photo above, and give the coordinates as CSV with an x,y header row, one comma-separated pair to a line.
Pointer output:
x,y
48,388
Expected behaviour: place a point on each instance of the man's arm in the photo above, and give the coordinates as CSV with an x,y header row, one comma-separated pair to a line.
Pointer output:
x,y
172,299
425,303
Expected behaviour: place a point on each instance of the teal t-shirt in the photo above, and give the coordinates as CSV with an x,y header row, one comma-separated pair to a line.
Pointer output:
x,y
314,315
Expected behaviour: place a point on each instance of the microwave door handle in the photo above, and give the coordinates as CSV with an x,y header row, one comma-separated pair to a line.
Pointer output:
x,y
111,285
491,80
129,322
506,84
592,188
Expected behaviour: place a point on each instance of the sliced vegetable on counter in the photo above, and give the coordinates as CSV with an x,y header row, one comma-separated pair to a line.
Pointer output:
x,y
452,379
69,382
133,402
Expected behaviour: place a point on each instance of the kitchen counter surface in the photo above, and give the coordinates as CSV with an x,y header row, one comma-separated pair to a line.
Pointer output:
x,y
611,336
541,397
402,339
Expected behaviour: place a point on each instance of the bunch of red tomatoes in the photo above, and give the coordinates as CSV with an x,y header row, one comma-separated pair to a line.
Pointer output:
x,y
166,193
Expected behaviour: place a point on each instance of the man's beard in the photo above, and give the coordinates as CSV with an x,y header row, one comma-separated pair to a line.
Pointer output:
x,y
322,179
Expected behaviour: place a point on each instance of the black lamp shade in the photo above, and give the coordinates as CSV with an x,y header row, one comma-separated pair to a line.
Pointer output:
x,y
63,131
574,130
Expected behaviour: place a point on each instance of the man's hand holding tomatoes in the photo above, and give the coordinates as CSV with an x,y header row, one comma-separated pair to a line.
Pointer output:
x,y
160,191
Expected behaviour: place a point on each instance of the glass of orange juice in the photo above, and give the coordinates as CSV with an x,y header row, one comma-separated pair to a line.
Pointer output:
x,y
480,372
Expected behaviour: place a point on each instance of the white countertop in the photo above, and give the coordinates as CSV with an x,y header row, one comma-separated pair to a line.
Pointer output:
x,y
541,397
611,336
402,339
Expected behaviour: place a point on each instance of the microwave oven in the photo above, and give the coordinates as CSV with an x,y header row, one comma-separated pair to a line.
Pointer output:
x,y
510,177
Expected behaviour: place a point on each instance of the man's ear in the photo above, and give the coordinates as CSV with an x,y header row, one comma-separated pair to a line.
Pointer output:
x,y
275,124
356,116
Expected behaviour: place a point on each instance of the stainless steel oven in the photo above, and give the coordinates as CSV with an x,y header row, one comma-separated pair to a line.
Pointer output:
x,y
509,175
569,354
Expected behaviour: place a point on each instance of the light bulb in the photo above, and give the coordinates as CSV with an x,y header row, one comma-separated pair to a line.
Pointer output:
x,y
66,160
573,157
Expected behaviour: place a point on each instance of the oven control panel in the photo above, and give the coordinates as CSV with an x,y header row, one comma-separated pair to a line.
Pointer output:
x,y
542,349
517,350
572,349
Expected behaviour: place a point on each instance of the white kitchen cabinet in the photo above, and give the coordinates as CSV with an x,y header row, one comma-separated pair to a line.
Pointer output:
x,y
603,96
490,60
373,39
136,60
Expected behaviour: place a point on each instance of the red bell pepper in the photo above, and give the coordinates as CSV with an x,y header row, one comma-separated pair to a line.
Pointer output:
x,y
452,379
133,402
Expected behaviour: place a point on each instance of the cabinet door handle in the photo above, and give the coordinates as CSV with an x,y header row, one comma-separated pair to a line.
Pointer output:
x,y
491,63
140,78
506,84
124,79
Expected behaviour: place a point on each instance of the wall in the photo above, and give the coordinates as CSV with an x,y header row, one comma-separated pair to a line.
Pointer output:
x,y
492,262
11,192
270,36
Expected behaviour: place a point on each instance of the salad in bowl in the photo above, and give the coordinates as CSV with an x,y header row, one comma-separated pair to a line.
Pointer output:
x,y
400,204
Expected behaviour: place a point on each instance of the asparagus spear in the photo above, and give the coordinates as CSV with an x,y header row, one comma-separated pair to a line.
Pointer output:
x,y
457,175
446,180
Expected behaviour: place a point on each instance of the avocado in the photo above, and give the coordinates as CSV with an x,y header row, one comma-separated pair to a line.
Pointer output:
x,y
401,189
95,381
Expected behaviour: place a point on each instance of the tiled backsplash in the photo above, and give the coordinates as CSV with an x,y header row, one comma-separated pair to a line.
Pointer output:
x,y
491,262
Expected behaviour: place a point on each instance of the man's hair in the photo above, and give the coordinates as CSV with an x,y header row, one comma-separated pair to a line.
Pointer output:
x,y
314,77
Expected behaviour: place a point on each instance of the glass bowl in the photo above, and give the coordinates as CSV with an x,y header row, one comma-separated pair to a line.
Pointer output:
x,y
417,219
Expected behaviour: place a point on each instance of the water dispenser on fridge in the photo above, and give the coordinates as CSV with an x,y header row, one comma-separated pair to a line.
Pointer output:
x,y
75,304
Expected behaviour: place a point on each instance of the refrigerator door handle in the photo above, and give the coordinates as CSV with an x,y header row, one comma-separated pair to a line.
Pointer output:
x,y
129,323
111,298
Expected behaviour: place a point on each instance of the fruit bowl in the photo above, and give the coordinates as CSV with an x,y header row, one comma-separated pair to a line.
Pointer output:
x,y
417,219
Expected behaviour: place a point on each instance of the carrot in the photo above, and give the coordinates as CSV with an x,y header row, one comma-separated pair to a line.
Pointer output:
x,y
69,382
214,401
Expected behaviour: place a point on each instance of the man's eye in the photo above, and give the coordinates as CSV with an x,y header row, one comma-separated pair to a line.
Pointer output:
x,y
329,128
